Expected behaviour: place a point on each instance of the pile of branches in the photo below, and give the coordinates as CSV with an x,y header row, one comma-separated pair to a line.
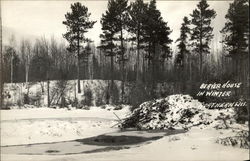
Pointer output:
x,y
241,139
172,112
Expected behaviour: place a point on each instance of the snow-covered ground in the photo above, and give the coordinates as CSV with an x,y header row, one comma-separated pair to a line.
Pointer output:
x,y
24,126
47,125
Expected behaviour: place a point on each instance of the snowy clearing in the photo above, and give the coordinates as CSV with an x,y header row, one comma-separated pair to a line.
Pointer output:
x,y
51,125
61,127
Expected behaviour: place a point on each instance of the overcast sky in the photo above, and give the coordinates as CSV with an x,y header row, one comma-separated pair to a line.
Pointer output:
x,y
44,18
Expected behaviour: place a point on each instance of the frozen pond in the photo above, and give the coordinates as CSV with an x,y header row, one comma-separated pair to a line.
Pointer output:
x,y
107,142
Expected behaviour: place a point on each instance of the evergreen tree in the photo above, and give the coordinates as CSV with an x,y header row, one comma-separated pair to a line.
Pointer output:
x,y
183,56
78,23
121,19
156,36
235,42
114,24
183,42
201,34
137,20
236,32
108,22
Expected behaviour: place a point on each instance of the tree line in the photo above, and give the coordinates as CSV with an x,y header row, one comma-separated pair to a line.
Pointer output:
x,y
136,46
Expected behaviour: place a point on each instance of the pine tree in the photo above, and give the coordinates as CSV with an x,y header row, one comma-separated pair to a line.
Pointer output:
x,y
114,24
108,22
78,23
137,20
201,34
183,42
235,42
183,55
236,32
156,36
122,19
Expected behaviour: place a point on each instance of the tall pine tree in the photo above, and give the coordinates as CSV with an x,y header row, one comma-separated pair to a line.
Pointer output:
x,y
157,37
122,19
114,24
137,20
183,42
183,55
108,22
236,33
78,23
201,34
236,44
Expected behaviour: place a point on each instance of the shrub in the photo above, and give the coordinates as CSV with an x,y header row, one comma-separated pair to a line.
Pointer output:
x,y
99,99
6,106
19,103
118,107
86,108
241,140
115,95
88,98
73,102
35,100
26,99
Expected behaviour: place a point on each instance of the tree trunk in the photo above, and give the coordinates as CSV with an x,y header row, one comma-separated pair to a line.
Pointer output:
x,y
248,94
183,76
112,69
200,53
48,96
78,65
75,83
27,80
149,64
1,67
201,70
153,75
78,75
138,57
123,61
143,68
190,67
11,68
26,76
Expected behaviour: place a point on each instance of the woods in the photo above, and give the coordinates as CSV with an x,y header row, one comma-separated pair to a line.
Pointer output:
x,y
92,78
136,47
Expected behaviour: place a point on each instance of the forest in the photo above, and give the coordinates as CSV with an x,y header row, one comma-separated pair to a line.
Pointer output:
x,y
114,79
136,49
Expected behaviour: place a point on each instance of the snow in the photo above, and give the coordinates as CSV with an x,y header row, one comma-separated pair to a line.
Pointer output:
x,y
195,145
14,92
45,112
175,111
179,112
49,125
39,125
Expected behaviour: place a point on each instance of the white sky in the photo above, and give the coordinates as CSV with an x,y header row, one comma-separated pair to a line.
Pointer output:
x,y
44,18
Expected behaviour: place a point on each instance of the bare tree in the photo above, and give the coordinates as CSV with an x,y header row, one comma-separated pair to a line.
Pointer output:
x,y
12,43
26,56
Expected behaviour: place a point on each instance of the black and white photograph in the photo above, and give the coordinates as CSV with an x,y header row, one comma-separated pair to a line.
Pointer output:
x,y
124,80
